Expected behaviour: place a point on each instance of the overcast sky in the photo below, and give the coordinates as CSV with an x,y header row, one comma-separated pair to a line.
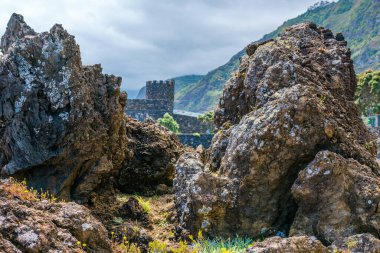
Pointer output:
x,y
157,39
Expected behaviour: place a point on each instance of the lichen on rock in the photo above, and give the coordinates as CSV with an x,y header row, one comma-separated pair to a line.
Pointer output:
x,y
291,100
46,226
63,123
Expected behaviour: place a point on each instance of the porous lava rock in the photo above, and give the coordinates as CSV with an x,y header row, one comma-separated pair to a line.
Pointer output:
x,y
154,152
299,244
133,210
290,102
33,226
336,198
360,243
63,124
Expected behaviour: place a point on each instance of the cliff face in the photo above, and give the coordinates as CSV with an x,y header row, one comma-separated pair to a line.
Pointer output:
x,y
291,153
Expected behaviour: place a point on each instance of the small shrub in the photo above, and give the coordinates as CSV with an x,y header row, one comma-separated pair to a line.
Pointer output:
x,y
367,94
207,117
19,189
157,246
126,247
169,122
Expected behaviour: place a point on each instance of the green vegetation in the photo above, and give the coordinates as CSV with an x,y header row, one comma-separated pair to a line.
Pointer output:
x,y
145,204
357,20
199,245
367,96
169,122
204,95
197,135
202,245
219,245
207,117
159,212
353,18
189,80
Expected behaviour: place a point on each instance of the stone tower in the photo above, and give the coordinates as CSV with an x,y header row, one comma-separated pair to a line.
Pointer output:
x,y
160,90
159,99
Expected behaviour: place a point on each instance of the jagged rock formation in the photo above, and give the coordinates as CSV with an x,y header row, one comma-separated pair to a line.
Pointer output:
x,y
41,226
362,243
287,113
63,123
154,151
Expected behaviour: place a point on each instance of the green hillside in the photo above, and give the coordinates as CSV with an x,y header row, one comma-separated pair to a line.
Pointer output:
x,y
358,20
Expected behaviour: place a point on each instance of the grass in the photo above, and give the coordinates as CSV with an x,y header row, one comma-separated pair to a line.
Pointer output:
x,y
18,189
145,204
235,245
160,211
202,245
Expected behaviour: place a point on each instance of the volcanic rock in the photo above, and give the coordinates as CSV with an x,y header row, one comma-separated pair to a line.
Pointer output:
x,y
133,210
45,226
361,243
154,152
336,197
292,98
62,123
301,244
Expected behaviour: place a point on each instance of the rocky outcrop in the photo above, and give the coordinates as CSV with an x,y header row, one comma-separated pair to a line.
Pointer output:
x,y
31,225
62,123
376,132
361,243
289,104
336,197
301,244
154,152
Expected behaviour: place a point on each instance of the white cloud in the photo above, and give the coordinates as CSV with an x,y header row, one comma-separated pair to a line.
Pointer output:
x,y
144,39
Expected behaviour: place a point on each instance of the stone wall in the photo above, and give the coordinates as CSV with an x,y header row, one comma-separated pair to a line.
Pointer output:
x,y
148,105
194,141
140,109
191,124
159,100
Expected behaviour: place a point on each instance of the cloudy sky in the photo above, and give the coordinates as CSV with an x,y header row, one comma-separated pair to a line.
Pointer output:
x,y
157,39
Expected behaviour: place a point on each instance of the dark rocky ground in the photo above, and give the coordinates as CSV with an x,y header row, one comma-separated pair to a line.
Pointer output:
x,y
291,155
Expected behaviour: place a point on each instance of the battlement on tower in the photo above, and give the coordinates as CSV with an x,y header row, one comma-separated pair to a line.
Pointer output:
x,y
160,90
